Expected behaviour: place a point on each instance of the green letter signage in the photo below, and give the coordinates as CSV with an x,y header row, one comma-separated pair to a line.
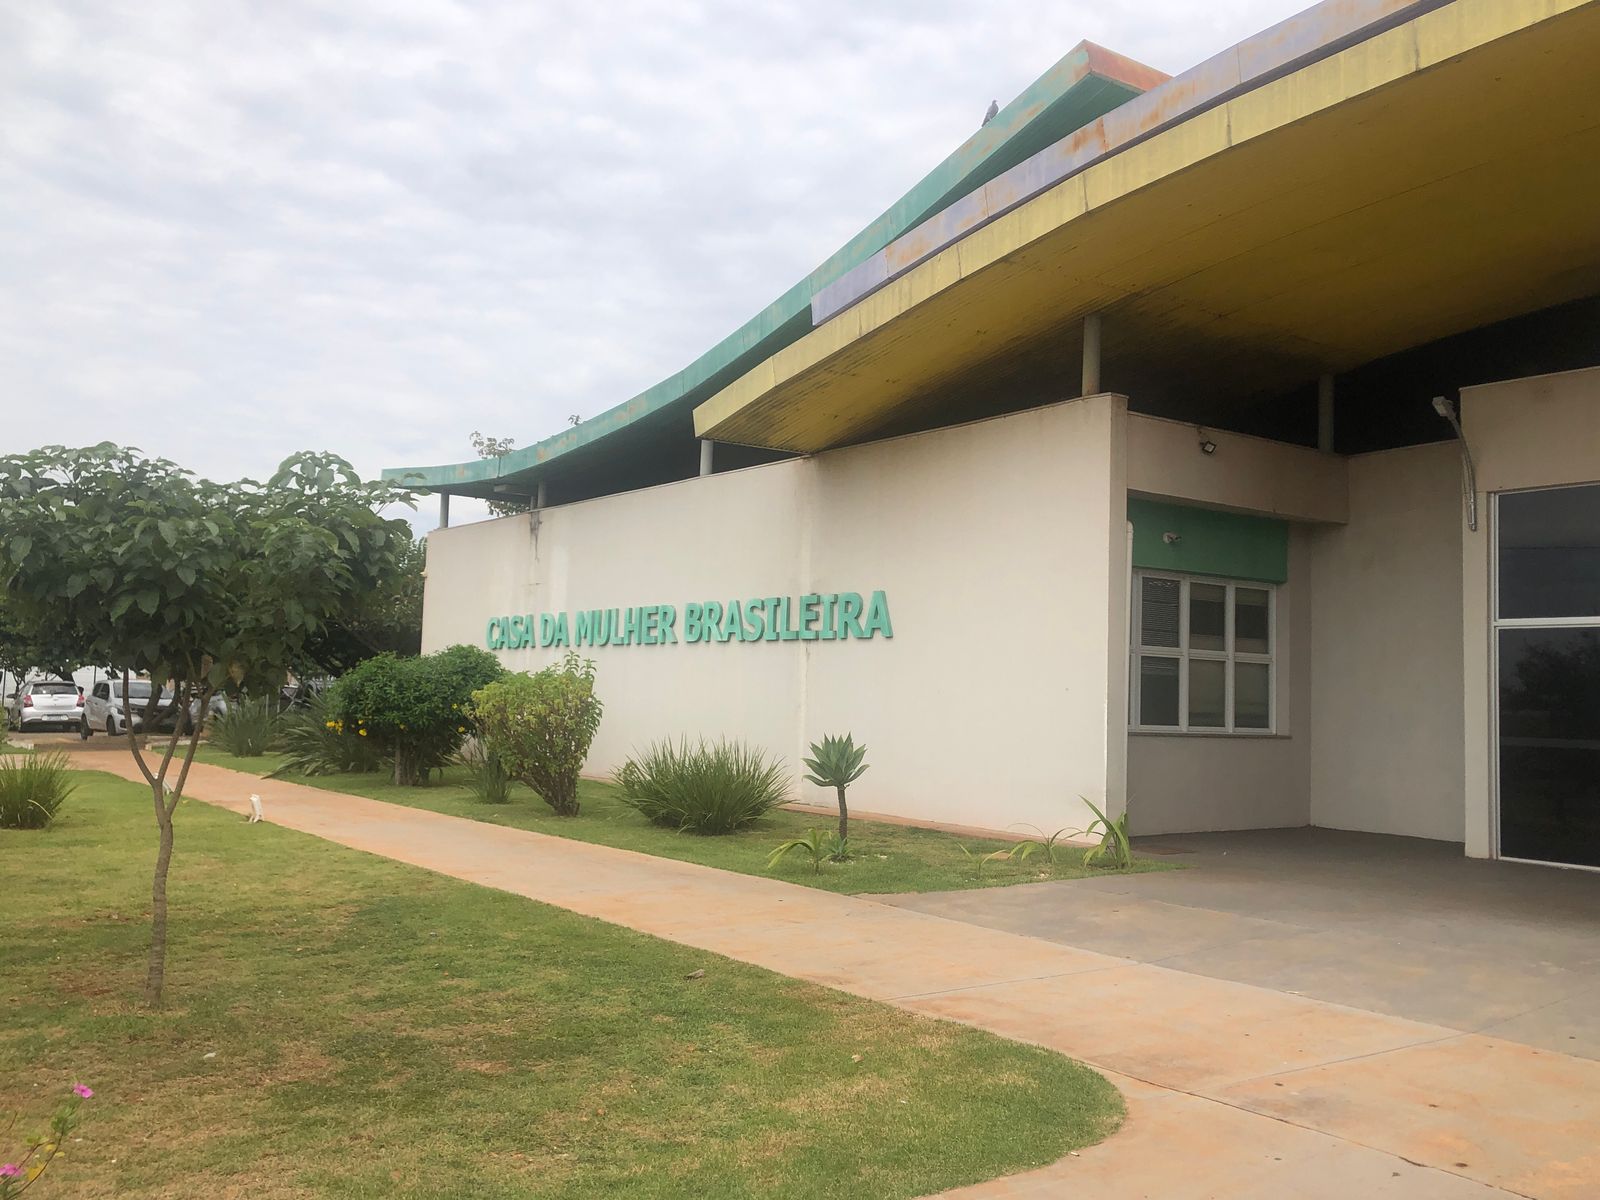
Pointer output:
x,y
825,616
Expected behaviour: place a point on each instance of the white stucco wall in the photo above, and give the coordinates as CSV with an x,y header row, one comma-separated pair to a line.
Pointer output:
x,y
1538,432
1385,650
1245,474
1000,544
1183,783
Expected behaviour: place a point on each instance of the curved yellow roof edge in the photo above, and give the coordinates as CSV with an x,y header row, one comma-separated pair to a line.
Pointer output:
x,y
1406,50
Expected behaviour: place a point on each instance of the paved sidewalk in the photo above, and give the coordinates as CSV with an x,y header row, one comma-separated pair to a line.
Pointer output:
x,y
1234,1092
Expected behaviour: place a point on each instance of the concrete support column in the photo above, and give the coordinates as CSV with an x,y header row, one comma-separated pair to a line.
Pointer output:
x,y
705,456
538,499
1325,413
1091,355
444,510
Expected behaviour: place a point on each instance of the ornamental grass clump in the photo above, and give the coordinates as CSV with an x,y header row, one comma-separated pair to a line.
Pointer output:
x,y
487,777
415,709
248,729
702,788
315,742
541,726
33,787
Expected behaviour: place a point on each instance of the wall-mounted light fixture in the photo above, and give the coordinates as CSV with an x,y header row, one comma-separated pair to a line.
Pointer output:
x,y
1469,473
1207,446
1171,539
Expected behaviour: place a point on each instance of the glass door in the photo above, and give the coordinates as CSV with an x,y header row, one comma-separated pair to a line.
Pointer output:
x,y
1547,635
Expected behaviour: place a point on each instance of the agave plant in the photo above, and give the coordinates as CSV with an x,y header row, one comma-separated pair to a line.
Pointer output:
x,y
837,764
819,845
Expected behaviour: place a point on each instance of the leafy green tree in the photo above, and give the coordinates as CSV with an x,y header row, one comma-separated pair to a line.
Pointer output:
x,y
387,621
542,726
415,709
137,563
836,763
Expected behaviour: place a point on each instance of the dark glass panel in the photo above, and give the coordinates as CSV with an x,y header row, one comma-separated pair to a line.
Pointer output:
x,y
1550,553
1158,691
1550,745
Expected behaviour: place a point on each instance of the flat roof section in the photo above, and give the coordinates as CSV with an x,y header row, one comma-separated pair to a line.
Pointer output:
x,y
1086,83
1433,178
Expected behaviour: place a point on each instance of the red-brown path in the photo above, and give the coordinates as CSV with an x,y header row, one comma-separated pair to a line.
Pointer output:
x,y
1234,1092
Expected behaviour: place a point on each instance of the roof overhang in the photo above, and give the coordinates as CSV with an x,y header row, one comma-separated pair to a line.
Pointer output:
x,y
1434,177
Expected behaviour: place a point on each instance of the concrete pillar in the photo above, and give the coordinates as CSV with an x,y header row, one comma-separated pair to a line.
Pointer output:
x,y
538,499
1325,413
1091,355
705,456
444,510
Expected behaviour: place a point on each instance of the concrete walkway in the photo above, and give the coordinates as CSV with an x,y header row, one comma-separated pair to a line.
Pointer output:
x,y
1234,1091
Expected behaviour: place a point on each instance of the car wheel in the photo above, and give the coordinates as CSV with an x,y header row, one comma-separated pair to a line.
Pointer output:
x,y
83,729
111,726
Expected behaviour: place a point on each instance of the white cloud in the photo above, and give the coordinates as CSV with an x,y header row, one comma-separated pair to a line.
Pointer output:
x,y
238,230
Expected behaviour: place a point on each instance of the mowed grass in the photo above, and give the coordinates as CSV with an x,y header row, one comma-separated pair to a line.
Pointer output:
x,y
341,1025
888,858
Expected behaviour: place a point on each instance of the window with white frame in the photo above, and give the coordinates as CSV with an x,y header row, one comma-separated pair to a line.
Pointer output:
x,y
1202,654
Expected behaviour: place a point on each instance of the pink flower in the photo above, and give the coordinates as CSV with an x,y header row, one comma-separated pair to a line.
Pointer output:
x,y
8,1169
82,1092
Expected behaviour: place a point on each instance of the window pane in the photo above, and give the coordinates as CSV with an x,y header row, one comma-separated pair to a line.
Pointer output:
x,y
1252,703
1550,553
1208,689
1550,745
1251,628
1159,612
1158,691
1208,608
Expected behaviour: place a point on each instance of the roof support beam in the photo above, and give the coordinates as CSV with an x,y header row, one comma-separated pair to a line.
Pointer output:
x,y
1325,413
1091,355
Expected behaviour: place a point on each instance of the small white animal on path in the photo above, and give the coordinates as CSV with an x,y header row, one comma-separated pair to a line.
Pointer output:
x,y
255,809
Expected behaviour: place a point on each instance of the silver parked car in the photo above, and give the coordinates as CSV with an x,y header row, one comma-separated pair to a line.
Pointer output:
x,y
103,710
46,704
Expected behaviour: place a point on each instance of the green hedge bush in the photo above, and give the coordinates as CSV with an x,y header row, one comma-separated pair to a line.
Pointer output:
x,y
541,726
414,709
33,787
702,788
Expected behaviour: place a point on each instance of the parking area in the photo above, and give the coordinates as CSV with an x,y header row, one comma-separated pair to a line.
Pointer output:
x,y
1399,926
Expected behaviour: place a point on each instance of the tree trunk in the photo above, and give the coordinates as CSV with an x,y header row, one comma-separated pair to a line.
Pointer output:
x,y
844,819
157,974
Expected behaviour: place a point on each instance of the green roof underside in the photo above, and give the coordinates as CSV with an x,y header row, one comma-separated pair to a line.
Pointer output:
x,y
650,438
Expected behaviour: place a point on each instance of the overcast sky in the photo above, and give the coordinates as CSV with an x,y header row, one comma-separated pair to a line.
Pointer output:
x,y
234,230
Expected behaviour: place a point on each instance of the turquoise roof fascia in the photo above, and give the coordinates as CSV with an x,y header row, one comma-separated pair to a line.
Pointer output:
x,y
1084,85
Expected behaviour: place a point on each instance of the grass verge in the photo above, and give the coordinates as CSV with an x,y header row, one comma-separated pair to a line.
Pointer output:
x,y
340,1025
889,858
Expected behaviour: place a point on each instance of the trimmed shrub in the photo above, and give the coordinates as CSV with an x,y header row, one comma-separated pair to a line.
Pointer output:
x,y
33,787
247,729
487,778
702,788
415,709
315,742
542,726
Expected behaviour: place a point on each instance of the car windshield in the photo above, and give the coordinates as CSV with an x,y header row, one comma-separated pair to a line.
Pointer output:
x,y
138,689
55,689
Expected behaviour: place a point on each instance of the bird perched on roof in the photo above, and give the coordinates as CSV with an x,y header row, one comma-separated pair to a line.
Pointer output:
x,y
994,111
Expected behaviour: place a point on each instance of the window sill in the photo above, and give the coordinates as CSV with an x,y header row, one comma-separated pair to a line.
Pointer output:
x,y
1262,736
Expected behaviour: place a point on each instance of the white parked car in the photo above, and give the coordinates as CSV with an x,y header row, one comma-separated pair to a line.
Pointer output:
x,y
46,704
103,710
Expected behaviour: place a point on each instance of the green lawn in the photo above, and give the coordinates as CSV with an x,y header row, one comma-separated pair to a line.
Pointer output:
x,y
341,1025
889,858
